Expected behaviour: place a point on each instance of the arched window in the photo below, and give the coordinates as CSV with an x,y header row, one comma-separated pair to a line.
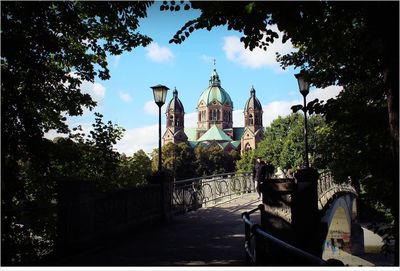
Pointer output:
x,y
251,119
214,114
171,120
247,147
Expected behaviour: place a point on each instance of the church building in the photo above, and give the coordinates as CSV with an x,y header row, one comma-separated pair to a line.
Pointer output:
x,y
214,121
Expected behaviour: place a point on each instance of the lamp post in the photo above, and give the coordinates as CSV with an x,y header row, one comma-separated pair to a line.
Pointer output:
x,y
304,87
160,93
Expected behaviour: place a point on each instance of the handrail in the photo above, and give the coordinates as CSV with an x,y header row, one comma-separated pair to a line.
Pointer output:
x,y
210,177
257,230
195,193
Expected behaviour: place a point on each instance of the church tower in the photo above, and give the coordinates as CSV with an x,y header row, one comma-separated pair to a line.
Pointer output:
x,y
175,115
253,130
214,107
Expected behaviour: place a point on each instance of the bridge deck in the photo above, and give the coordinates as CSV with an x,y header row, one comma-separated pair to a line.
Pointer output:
x,y
211,236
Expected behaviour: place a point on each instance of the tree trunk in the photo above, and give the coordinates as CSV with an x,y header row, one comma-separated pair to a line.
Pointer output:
x,y
391,78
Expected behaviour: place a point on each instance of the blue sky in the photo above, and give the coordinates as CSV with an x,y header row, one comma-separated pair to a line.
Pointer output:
x,y
126,99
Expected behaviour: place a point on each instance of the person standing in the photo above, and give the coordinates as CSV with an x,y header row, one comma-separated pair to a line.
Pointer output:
x,y
270,169
259,174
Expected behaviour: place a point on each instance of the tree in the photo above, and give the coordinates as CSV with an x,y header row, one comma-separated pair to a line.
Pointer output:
x,y
48,50
352,44
133,171
283,143
181,162
74,158
178,161
352,147
98,159
246,162
339,42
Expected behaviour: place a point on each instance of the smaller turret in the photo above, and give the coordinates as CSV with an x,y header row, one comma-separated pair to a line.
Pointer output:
x,y
253,130
175,116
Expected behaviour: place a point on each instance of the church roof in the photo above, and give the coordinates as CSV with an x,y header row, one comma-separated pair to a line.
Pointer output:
x,y
214,133
191,133
193,144
253,102
175,104
238,133
215,92
235,143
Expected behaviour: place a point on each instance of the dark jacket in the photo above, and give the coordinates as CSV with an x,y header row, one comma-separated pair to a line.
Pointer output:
x,y
259,172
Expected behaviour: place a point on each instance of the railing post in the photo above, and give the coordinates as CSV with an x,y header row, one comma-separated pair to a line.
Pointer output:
x,y
306,221
166,189
247,238
259,248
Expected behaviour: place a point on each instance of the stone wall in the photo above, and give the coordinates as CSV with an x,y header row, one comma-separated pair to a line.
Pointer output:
x,y
88,217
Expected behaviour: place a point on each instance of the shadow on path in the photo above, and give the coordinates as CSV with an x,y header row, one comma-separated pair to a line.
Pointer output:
x,y
212,236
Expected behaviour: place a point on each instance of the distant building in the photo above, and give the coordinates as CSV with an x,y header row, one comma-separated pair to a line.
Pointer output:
x,y
214,122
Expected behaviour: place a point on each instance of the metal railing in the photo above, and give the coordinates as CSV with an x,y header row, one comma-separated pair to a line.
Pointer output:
x,y
327,187
192,194
263,248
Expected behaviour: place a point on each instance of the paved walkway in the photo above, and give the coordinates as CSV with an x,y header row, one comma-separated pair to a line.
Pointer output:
x,y
182,242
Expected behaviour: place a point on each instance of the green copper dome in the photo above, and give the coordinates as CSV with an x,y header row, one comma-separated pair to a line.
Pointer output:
x,y
215,92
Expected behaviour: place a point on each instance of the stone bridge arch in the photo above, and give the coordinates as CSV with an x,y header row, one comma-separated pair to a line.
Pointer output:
x,y
339,217
338,207
307,209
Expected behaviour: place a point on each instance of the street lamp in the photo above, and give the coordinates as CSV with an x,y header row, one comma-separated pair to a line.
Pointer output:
x,y
160,93
304,87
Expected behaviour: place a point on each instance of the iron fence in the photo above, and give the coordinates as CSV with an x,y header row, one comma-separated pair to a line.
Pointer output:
x,y
327,187
192,194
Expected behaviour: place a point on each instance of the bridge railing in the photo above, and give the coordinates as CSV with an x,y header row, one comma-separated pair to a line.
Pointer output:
x,y
263,248
327,187
192,194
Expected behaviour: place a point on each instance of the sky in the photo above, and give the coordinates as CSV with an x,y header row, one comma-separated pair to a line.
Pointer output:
x,y
126,98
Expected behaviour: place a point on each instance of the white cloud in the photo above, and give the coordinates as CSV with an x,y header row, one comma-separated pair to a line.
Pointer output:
x,y
235,52
158,53
96,90
125,96
191,119
238,118
282,108
145,138
325,93
53,134
275,109
151,108
72,122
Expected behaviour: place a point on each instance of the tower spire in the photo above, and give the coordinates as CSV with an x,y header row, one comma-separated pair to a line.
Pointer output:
x,y
214,80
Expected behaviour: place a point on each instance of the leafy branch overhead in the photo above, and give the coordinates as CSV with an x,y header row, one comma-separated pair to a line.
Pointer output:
x,y
314,106
48,50
236,17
